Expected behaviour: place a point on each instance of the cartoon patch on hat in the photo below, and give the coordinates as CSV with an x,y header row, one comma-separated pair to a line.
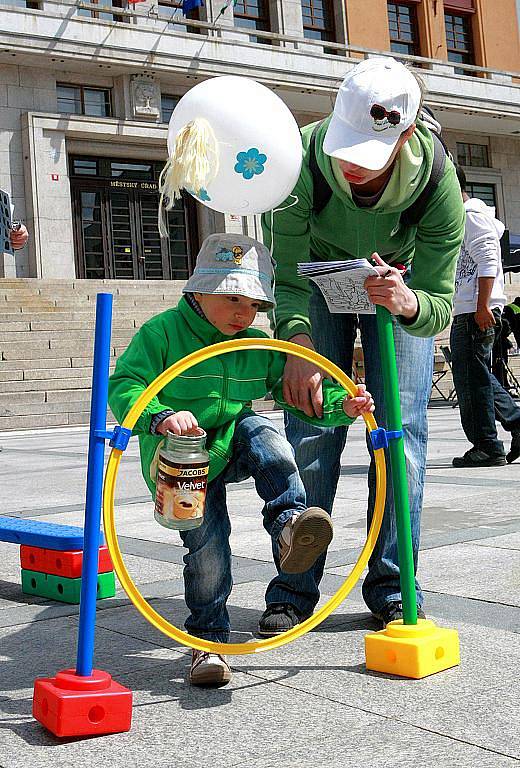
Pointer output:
x,y
383,118
236,254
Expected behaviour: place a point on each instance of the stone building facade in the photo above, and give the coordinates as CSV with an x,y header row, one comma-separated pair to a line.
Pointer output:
x,y
86,90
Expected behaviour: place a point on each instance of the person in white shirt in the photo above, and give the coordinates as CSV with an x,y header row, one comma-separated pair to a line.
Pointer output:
x,y
478,304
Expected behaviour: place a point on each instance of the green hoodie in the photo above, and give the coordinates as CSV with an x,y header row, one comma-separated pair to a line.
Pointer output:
x,y
216,391
345,231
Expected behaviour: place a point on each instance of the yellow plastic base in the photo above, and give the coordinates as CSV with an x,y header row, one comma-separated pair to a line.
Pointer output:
x,y
412,650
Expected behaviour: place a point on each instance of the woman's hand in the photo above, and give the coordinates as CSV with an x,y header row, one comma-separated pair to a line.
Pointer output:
x,y
302,381
390,291
361,403
180,423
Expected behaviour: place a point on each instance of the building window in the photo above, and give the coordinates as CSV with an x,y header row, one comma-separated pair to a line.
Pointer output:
x,y
173,8
485,192
475,155
253,14
101,14
318,20
80,100
459,40
168,104
30,4
402,23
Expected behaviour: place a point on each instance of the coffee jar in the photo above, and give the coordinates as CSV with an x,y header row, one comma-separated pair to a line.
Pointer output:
x,y
182,478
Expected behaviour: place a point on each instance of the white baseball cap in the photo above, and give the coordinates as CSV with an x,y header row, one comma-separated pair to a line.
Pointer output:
x,y
376,102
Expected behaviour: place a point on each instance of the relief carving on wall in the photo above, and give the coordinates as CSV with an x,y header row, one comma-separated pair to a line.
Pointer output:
x,y
146,97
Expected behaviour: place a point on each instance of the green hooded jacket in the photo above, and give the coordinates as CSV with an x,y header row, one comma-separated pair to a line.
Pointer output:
x,y
216,391
345,231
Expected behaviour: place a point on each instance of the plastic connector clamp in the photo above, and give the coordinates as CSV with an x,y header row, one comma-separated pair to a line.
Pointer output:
x,y
381,436
118,438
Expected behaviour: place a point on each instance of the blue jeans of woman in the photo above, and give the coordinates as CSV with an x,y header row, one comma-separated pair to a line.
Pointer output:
x,y
318,452
480,395
260,452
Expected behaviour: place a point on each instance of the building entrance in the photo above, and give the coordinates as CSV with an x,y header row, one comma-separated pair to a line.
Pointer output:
x,y
115,207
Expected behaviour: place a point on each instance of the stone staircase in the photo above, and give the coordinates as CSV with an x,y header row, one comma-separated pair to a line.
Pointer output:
x,y
46,343
47,336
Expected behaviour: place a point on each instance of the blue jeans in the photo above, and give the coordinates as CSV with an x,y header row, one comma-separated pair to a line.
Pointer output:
x,y
481,397
318,451
260,452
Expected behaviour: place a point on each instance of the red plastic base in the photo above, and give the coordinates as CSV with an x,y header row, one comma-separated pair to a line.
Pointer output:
x,y
57,562
71,705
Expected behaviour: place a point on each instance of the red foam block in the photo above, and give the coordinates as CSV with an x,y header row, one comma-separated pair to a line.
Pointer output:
x,y
72,705
33,558
66,563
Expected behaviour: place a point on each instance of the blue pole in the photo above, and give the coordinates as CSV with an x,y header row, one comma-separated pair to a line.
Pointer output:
x,y
95,467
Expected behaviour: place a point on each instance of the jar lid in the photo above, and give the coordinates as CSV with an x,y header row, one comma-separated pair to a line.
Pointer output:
x,y
186,440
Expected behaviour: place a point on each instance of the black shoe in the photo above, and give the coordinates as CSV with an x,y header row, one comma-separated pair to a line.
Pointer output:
x,y
477,458
278,618
514,451
393,611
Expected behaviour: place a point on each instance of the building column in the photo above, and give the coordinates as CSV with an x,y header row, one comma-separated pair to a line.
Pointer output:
x,y
48,201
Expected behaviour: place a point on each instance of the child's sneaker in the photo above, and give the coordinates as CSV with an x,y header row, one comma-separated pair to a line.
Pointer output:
x,y
209,670
303,539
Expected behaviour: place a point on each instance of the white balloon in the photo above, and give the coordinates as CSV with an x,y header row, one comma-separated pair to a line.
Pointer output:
x,y
259,143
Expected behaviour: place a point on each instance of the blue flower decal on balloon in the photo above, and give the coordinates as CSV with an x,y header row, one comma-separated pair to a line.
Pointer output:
x,y
201,194
250,163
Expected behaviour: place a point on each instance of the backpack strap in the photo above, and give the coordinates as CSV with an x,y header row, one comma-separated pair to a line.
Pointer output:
x,y
412,215
321,190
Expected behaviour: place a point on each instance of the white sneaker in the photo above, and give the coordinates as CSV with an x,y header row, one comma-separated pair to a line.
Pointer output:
x,y
209,670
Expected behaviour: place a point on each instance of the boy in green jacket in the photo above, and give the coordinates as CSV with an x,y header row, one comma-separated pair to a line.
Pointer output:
x,y
231,283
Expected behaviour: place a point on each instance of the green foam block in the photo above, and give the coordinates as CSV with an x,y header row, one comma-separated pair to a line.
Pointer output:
x,y
62,589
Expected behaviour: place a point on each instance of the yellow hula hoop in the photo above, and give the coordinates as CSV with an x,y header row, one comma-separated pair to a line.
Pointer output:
x,y
109,493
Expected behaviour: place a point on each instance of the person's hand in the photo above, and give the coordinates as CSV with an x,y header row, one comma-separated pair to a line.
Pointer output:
x,y
180,423
18,237
484,318
390,291
362,403
302,381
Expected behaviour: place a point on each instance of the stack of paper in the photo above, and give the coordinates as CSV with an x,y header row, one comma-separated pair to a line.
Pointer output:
x,y
342,283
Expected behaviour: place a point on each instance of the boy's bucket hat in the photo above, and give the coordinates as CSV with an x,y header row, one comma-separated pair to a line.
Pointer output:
x,y
228,264
376,102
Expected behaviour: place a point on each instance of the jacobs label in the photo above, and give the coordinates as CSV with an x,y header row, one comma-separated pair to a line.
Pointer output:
x,y
181,490
176,471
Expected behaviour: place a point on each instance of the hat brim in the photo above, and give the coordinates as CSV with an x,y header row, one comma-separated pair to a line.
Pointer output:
x,y
343,143
213,286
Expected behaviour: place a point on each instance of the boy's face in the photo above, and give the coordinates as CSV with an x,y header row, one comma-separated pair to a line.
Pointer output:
x,y
229,313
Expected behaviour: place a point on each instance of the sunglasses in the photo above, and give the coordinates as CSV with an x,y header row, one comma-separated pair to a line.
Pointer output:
x,y
379,113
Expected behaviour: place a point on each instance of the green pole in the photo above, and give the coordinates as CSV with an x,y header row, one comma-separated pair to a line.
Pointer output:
x,y
398,464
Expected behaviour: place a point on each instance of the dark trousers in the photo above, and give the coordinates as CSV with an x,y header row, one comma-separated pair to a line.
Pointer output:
x,y
482,399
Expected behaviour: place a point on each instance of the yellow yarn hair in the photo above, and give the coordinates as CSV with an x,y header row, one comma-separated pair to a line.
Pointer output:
x,y
192,165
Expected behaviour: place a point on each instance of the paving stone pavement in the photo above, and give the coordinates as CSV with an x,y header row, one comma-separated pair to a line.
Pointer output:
x,y
311,703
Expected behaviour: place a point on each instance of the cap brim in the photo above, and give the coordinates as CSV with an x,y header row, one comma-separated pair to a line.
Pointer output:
x,y
346,144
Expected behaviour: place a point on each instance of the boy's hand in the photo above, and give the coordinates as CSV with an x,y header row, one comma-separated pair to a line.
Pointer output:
x,y
362,403
180,423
